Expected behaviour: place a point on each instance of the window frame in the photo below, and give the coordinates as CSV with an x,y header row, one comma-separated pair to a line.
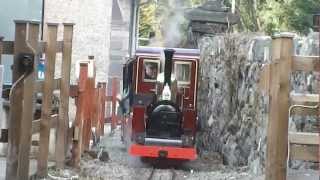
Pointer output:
x,y
143,69
183,83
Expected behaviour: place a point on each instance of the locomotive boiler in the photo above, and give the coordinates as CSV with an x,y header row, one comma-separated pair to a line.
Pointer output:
x,y
161,114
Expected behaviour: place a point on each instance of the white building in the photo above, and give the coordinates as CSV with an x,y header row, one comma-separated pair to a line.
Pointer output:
x,y
92,19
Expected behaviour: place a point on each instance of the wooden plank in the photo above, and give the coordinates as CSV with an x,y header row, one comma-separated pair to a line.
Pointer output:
x,y
298,98
36,124
63,122
101,94
40,84
77,146
103,107
43,45
3,136
306,153
16,103
304,138
304,111
306,63
8,47
89,96
282,50
47,100
27,113
114,104
1,49
95,109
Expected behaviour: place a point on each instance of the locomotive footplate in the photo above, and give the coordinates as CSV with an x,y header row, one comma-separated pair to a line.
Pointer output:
x,y
163,152
163,142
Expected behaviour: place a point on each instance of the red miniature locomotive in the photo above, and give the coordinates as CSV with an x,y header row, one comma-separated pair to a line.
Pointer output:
x,y
161,95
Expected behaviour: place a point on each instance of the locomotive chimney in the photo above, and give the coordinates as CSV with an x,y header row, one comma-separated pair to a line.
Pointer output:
x,y
168,66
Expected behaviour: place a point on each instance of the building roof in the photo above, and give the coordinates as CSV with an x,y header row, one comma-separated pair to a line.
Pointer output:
x,y
213,11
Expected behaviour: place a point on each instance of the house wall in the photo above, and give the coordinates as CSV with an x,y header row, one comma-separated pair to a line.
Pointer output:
x,y
119,36
92,19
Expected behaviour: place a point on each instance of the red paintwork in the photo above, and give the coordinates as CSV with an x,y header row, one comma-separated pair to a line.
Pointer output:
x,y
138,123
185,95
173,152
189,120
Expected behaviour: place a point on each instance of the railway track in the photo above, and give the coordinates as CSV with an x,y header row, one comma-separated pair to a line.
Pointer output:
x,y
157,174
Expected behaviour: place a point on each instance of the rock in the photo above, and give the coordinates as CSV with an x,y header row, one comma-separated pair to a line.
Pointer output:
x,y
234,113
104,156
92,153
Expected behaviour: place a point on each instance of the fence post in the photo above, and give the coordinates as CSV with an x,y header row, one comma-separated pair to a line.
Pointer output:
x,y
63,122
89,96
103,94
47,100
317,25
80,116
100,108
114,118
16,100
277,137
28,104
1,48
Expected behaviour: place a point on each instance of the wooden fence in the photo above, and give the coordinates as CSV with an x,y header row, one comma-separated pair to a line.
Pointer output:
x,y
276,80
26,48
90,101
90,115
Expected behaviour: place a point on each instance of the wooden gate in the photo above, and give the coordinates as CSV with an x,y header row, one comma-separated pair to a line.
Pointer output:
x,y
276,80
26,48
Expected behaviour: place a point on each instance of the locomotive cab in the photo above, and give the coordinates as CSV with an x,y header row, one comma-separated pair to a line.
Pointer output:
x,y
161,119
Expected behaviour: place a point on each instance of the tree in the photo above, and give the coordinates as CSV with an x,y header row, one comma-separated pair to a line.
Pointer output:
x,y
267,16
299,14
160,15
272,16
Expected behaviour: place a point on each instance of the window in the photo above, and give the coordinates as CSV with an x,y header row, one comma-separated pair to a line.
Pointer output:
x,y
150,70
182,72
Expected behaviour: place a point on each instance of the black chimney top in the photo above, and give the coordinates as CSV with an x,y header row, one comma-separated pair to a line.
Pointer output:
x,y
168,66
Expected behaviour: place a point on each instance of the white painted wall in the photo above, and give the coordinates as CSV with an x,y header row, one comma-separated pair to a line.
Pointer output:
x,y
92,20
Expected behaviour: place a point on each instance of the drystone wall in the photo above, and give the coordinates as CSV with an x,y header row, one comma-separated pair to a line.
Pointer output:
x,y
234,112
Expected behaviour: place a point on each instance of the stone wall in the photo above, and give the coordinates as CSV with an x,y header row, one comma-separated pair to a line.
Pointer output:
x,y
233,113
92,20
